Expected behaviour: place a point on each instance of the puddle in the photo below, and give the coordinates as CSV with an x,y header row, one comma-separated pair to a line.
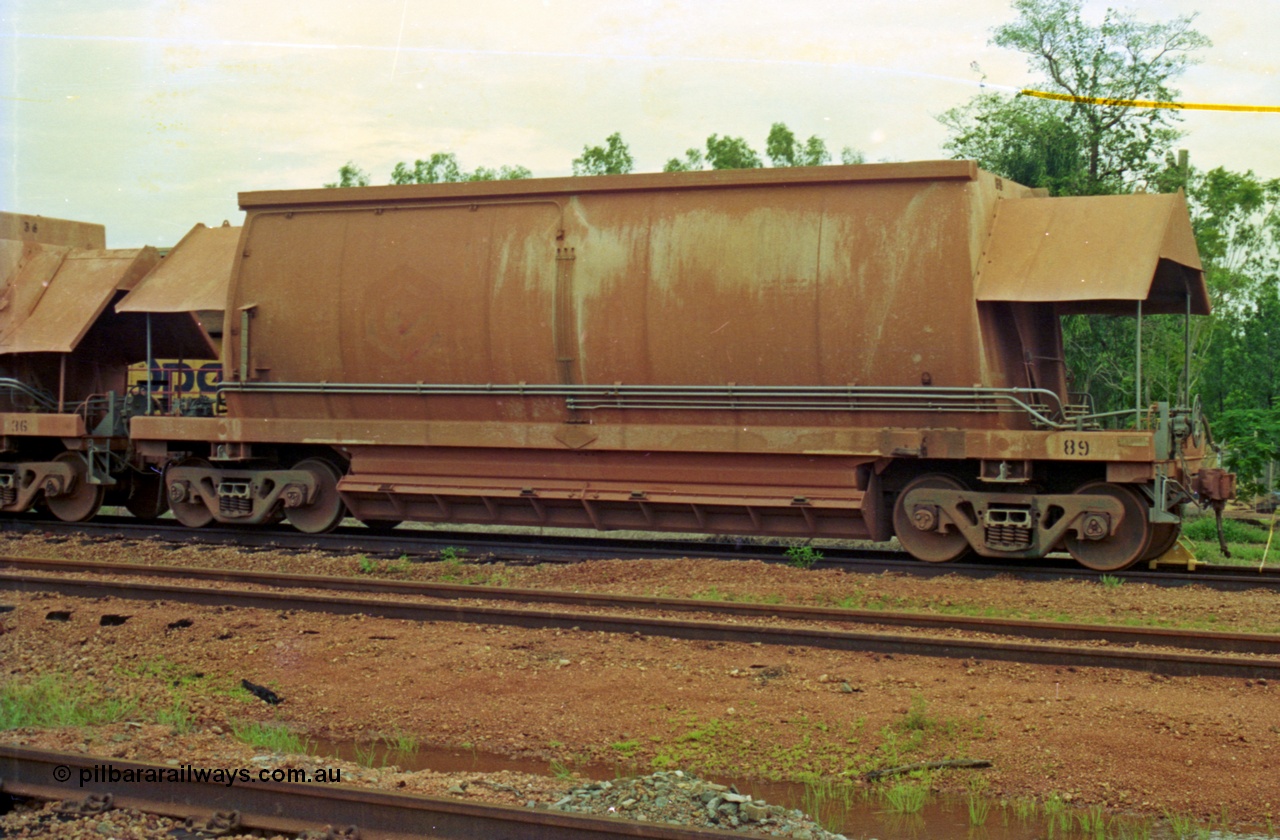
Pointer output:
x,y
941,818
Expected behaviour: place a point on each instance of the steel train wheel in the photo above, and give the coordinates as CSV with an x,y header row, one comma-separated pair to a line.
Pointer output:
x,y
326,509
1164,536
148,497
1125,547
82,502
192,513
930,546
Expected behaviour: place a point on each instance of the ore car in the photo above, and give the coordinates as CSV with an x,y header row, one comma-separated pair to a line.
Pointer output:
x,y
853,352
65,399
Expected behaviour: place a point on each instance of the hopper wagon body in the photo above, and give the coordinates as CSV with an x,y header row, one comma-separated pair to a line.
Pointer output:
x,y
849,352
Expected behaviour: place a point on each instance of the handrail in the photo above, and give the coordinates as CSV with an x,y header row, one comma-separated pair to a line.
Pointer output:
x,y
1040,404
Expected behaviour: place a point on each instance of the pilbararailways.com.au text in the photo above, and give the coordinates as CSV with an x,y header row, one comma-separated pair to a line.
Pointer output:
x,y
228,776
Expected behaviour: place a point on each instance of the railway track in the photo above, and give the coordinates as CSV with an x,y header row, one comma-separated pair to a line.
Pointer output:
x,y
1218,654
295,807
520,548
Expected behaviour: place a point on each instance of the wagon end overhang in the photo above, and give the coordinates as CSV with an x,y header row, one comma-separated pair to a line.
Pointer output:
x,y
1095,255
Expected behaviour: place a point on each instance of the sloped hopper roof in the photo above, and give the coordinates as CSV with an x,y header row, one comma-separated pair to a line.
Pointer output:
x,y
1095,255
52,295
192,278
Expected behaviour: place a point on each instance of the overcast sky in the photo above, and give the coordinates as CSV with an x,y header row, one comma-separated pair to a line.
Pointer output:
x,y
150,115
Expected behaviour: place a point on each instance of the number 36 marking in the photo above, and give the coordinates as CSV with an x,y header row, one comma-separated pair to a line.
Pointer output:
x,y
1076,448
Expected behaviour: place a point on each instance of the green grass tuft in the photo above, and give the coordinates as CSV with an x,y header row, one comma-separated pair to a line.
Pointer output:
x,y
50,701
276,739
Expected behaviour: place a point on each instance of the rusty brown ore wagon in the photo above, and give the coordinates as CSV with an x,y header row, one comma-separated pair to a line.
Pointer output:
x,y
65,350
852,352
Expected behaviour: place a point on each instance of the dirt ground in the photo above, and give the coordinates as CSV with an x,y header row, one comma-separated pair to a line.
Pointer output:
x,y
1128,740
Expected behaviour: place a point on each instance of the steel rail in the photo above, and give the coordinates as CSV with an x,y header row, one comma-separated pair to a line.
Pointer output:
x,y
500,547
1172,664
294,808
1208,640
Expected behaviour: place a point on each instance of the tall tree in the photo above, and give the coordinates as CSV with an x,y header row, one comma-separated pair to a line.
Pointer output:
x,y
613,158
1121,58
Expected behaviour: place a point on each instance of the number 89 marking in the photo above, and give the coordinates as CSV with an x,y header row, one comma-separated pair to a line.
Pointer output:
x,y
1078,448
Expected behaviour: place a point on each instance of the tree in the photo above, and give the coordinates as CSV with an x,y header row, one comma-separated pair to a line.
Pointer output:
x,y
1120,59
613,158
1114,147
850,156
440,168
784,150
1029,141
350,175
502,173
731,153
692,162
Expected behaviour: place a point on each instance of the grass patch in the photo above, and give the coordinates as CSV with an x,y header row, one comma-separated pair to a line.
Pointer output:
x,y
50,701
366,565
803,556
829,802
271,737
455,569
905,797
627,748
1205,529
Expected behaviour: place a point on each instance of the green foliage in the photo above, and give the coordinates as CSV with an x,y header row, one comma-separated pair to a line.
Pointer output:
x,y
691,162
271,737
1251,440
1024,139
627,748
443,168
52,701
905,797
731,153
350,175
1206,529
978,805
1110,582
783,149
829,802
613,158
803,556
561,771
1119,58
367,754
177,716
